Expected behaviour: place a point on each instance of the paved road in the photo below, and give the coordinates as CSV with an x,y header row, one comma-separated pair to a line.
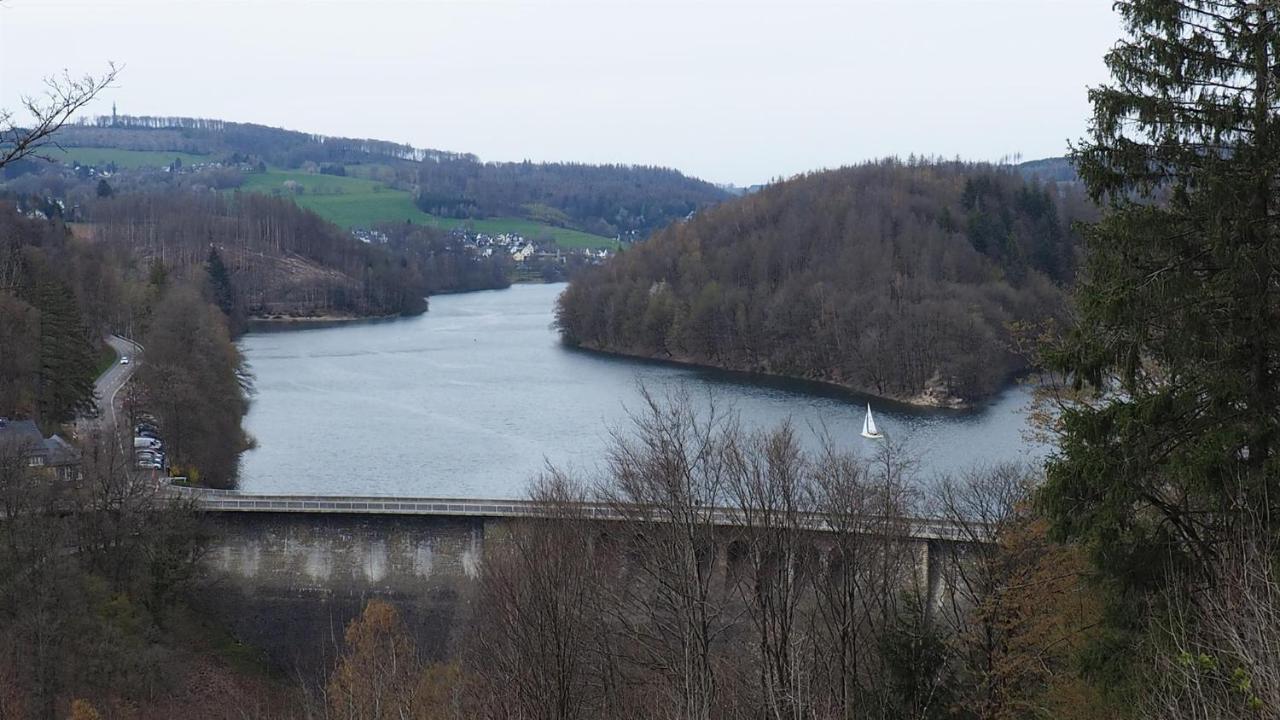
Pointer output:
x,y
110,382
232,501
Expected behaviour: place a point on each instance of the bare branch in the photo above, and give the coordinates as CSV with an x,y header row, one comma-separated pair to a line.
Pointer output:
x,y
64,96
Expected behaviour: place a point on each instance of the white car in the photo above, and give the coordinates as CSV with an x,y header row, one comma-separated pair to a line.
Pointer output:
x,y
124,360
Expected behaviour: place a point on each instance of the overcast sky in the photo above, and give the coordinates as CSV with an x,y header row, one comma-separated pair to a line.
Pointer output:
x,y
735,92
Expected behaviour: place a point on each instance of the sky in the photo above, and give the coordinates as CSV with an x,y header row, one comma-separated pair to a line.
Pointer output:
x,y
734,92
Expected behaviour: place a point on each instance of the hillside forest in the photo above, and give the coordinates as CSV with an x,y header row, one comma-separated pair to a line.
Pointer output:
x,y
278,257
900,279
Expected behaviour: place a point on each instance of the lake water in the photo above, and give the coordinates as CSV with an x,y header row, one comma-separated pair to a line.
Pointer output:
x,y
475,397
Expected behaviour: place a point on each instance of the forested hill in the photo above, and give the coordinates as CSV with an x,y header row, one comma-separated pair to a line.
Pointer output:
x,y
604,200
272,257
1049,170
900,280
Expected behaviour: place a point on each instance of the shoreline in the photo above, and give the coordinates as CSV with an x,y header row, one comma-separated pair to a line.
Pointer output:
x,y
260,322
954,405
319,318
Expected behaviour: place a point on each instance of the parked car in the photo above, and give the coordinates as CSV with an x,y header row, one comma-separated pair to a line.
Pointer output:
x,y
143,441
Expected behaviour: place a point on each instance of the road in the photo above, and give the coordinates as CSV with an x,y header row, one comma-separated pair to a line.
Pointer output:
x,y
110,382
922,528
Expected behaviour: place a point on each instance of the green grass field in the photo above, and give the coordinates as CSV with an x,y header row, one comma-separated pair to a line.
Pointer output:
x,y
358,202
125,159
346,201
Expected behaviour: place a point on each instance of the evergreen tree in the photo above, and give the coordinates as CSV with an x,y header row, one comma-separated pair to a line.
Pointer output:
x,y
67,357
104,189
220,281
1177,336
158,275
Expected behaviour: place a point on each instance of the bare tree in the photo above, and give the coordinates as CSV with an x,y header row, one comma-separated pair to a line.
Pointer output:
x,y
63,96
113,505
665,482
37,605
1216,653
769,488
864,505
536,656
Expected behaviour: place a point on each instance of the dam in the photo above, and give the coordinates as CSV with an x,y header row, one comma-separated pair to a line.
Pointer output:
x,y
287,573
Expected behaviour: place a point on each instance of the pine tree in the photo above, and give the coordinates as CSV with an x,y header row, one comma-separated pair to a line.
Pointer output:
x,y
220,280
1177,334
67,357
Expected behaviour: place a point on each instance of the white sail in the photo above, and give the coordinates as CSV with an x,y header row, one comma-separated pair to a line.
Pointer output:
x,y
869,429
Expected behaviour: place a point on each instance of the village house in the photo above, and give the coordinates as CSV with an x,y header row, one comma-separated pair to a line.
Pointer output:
x,y
22,437
523,253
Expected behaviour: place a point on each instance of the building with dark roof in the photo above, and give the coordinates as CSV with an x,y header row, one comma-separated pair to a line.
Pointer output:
x,y
24,437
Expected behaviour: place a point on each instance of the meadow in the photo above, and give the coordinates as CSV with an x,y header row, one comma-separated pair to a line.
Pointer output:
x,y
359,202
349,202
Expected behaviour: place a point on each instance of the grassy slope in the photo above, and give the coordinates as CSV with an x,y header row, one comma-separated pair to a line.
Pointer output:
x,y
122,158
345,201
358,202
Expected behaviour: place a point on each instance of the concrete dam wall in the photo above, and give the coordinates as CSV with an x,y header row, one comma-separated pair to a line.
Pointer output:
x,y
289,583
286,575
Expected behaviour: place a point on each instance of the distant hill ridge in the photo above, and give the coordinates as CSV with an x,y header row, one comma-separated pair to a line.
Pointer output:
x,y
607,200
202,136
1054,169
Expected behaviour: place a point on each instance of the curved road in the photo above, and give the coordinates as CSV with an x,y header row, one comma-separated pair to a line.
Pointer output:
x,y
109,384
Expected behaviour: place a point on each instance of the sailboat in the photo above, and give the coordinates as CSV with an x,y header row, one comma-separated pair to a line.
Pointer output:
x,y
869,429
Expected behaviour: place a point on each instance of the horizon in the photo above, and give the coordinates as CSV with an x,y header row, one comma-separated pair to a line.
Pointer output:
x,y
464,77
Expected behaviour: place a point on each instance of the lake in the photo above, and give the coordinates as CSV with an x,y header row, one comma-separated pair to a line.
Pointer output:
x,y
475,397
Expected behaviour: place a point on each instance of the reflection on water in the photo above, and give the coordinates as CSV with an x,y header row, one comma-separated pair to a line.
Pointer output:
x,y
477,396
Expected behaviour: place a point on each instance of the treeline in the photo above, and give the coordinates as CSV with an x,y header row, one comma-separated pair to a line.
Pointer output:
x,y
194,381
610,200
204,136
281,259
897,279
